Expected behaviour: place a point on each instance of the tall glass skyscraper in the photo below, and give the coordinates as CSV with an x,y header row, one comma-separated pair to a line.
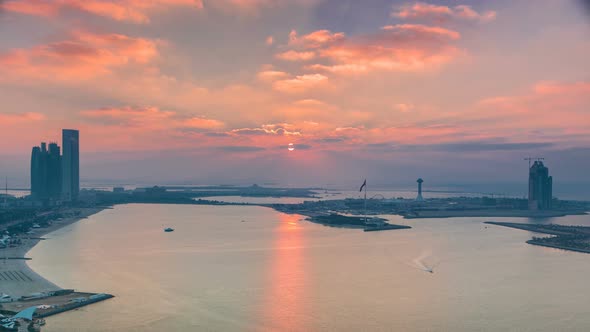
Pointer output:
x,y
70,164
46,168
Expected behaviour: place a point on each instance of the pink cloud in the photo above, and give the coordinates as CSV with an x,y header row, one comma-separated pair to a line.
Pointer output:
x,y
202,123
315,39
148,118
136,11
144,118
270,76
296,56
549,106
402,47
440,13
83,56
7,119
301,83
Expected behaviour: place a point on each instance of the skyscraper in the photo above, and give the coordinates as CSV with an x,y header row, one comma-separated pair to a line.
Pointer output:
x,y
540,187
70,164
46,172
54,171
36,162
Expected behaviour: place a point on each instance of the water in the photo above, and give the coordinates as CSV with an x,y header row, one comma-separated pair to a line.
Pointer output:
x,y
274,272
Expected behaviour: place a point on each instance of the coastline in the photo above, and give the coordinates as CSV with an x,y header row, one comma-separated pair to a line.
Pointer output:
x,y
491,214
30,281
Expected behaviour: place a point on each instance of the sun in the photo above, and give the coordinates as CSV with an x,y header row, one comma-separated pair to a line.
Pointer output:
x,y
291,147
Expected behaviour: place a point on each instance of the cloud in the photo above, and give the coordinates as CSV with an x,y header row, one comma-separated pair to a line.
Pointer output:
x,y
202,123
85,55
215,134
418,32
401,47
240,148
139,117
270,76
556,109
149,118
302,146
301,83
296,56
18,118
315,39
460,147
440,13
282,129
404,107
479,146
135,11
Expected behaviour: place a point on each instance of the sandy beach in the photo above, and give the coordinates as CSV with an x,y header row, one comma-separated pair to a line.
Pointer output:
x,y
16,277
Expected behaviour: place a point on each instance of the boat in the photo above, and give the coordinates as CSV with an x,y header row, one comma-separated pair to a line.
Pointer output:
x,y
168,230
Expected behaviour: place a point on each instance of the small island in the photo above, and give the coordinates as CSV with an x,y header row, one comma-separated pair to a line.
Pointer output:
x,y
572,238
367,224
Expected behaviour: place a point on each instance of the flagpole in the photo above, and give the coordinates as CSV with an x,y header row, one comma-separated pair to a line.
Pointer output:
x,y
365,202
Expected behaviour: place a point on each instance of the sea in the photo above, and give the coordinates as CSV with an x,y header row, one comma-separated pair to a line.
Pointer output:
x,y
250,268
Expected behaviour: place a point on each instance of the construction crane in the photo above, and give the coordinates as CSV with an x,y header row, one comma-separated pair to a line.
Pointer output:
x,y
533,159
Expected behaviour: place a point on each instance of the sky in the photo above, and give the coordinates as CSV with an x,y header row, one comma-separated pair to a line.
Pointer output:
x,y
213,91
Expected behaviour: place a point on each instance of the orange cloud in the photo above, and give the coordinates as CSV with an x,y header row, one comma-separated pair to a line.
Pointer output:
x,y
202,123
301,83
438,13
145,118
270,76
84,56
422,32
296,56
315,39
148,118
7,119
136,11
403,47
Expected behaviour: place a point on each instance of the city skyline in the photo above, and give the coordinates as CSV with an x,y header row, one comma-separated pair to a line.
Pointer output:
x,y
460,91
55,177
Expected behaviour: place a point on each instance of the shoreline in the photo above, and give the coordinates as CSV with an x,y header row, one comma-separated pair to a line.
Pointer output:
x,y
33,282
440,214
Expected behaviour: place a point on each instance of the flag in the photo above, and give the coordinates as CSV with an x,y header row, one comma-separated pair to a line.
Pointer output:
x,y
364,185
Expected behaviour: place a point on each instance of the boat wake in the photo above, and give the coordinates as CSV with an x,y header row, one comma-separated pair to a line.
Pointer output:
x,y
421,263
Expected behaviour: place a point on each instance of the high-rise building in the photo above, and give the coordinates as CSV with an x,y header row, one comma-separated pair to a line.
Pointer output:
x,y
46,172
54,171
70,164
540,187
36,176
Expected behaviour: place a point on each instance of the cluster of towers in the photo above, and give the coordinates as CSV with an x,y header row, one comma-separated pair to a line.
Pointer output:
x,y
55,174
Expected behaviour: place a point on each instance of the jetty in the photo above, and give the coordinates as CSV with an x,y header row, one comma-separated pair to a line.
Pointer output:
x,y
571,238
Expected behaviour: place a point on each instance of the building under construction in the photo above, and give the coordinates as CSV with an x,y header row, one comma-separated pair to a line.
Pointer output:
x,y
540,187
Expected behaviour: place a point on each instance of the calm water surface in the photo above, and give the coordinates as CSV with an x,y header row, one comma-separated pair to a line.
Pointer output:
x,y
275,272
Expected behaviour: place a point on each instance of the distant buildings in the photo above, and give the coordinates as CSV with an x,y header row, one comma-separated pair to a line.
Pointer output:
x,y
46,172
540,187
56,177
420,198
71,164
